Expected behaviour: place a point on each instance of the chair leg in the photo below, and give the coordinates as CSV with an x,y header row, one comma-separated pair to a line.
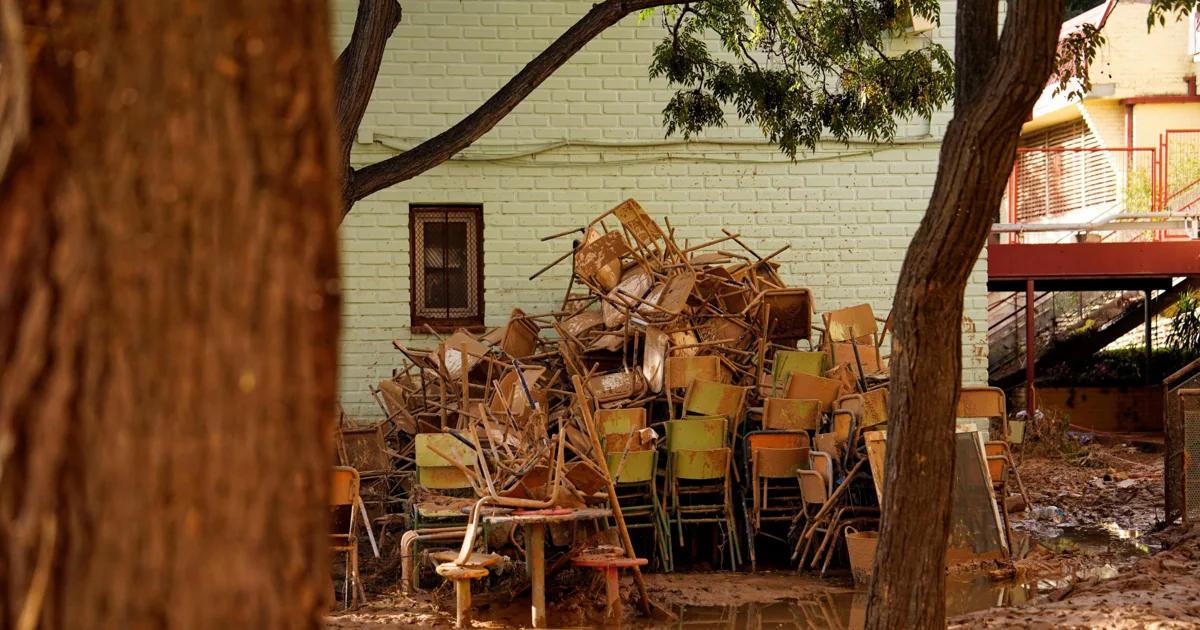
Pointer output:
x,y
462,597
357,583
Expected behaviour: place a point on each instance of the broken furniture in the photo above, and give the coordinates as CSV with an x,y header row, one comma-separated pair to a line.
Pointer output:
x,y
344,499
609,561
534,524
989,403
461,575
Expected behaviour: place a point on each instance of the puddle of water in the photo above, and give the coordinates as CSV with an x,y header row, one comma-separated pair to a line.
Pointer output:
x,y
846,609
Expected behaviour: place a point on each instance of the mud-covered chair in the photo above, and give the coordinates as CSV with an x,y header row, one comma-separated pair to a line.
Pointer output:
x,y
343,502
679,372
808,387
791,414
788,361
708,399
825,523
698,487
989,403
634,477
774,493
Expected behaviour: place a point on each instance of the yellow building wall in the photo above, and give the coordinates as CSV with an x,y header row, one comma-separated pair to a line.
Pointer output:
x,y
1151,120
1141,63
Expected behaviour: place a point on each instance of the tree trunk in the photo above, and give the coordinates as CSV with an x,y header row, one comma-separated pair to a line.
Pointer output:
x,y
168,318
998,80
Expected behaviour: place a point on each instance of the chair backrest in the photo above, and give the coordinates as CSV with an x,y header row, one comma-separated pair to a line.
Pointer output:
x,y
700,464
822,463
788,361
681,371
639,466
433,470
996,462
985,402
981,402
868,354
442,478
871,407
364,448
709,398
703,433
791,414
825,442
779,463
859,318
617,442
841,427
813,489
620,420
809,387
345,486
757,440
445,443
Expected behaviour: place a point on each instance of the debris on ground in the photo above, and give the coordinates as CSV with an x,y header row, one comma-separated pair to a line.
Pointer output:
x,y
678,392
1159,591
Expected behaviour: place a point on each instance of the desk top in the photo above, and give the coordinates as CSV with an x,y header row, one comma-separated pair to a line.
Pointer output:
x,y
548,516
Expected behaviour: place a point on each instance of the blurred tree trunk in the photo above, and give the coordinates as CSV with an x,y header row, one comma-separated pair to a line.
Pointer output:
x,y
998,78
169,317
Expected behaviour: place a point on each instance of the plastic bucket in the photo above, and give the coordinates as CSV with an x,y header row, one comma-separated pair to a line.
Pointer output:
x,y
861,547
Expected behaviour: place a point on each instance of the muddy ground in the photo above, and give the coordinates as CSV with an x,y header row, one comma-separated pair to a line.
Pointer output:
x,y
1100,560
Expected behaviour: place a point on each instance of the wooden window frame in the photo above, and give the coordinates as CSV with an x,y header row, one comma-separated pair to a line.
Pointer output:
x,y
443,324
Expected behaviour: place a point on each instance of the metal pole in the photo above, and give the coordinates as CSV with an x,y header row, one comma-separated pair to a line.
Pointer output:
x,y
1149,337
1030,355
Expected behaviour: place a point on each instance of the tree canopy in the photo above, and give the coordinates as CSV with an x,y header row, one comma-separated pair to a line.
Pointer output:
x,y
797,70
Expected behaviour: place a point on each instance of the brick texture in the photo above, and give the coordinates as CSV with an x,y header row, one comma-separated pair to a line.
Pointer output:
x,y
587,139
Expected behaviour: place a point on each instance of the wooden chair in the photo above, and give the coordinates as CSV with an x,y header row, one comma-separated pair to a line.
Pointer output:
x,y
344,498
634,481
701,492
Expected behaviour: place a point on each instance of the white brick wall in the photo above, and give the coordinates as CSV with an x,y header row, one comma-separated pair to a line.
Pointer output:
x,y
848,212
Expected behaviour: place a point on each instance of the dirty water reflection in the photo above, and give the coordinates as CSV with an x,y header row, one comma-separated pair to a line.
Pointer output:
x,y
845,609
839,609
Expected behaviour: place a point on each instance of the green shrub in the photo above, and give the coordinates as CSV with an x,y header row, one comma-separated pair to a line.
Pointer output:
x,y
1118,368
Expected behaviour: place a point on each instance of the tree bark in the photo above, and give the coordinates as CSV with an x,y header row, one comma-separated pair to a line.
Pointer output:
x,y
997,84
391,171
168,318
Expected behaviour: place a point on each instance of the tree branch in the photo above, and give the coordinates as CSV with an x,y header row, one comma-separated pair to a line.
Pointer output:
x,y
432,152
358,67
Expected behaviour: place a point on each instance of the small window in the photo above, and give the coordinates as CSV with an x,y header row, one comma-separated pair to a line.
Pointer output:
x,y
447,266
